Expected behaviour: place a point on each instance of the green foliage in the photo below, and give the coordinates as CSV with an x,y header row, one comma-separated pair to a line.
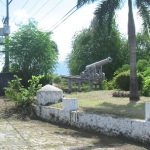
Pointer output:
x,y
32,52
57,79
107,85
143,46
142,64
91,45
20,95
146,73
122,81
146,87
46,79
124,68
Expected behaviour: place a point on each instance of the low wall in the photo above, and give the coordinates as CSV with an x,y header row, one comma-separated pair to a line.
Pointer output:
x,y
138,130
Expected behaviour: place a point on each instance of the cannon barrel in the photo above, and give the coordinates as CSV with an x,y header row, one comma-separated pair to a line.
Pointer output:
x,y
99,63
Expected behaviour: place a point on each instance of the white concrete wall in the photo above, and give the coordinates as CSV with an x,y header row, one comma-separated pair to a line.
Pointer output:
x,y
110,125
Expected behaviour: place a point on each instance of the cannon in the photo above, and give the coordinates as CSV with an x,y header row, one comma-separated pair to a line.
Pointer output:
x,y
94,70
92,73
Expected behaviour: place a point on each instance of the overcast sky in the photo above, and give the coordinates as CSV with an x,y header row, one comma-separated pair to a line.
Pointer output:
x,y
49,12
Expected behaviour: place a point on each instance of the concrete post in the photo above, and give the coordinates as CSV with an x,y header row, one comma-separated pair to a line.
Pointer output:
x,y
90,85
147,111
70,85
70,104
79,85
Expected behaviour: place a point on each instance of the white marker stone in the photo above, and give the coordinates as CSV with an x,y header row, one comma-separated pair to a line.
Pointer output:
x,y
48,95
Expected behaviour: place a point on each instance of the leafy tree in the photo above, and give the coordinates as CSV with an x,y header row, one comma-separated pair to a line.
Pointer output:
x,y
79,56
90,46
143,46
105,13
32,51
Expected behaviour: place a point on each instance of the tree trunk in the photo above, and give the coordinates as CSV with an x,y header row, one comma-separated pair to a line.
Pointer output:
x,y
134,95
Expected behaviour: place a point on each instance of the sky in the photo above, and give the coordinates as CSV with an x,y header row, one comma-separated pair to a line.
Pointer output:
x,y
48,12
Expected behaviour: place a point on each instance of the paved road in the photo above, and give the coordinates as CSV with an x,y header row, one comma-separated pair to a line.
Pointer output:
x,y
16,134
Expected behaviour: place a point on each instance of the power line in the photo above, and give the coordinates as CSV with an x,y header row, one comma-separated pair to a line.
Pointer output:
x,y
25,4
2,2
13,20
34,5
38,10
64,18
52,9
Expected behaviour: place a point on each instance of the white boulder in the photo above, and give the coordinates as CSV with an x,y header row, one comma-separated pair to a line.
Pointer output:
x,y
48,95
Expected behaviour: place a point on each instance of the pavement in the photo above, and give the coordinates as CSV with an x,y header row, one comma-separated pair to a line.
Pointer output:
x,y
18,134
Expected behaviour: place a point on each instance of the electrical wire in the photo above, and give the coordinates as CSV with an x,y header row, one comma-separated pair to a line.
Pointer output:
x,y
25,4
38,10
52,9
2,2
64,18
34,5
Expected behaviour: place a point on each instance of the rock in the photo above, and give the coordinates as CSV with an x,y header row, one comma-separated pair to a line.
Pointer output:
x,y
48,95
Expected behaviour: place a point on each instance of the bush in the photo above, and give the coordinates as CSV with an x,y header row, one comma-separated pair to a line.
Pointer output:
x,y
146,73
142,64
122,81
19,94
57,79
107,85
46,79
146,87
124,68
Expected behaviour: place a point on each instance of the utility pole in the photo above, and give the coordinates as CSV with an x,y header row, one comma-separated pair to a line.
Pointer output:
x,y
6,30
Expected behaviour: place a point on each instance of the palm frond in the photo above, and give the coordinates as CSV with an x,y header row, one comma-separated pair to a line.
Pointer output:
x,y
138,2
83,2
106,11
144,11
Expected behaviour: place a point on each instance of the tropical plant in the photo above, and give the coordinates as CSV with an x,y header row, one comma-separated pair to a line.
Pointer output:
x,y
105,13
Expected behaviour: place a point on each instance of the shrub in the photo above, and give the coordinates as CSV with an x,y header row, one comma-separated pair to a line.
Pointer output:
x,y
146,87
124,68
46,79
146,73
122,81
57,79
141,65
19,94
107,85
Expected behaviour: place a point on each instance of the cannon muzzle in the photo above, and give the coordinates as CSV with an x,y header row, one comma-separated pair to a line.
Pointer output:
x,y
99,63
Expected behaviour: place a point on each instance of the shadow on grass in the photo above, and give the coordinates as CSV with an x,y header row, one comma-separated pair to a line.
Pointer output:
x,y
132,109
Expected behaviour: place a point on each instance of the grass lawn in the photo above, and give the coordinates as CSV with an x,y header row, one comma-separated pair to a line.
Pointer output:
x,y
103,102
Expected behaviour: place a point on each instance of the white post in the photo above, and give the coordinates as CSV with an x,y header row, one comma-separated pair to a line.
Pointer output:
x,y
70,104
147,111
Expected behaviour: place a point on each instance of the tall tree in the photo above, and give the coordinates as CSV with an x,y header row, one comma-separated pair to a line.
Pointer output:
x,y
32,51
89,46
106,11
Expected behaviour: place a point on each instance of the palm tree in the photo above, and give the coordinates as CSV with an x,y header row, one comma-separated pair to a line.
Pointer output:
x,y
106,11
